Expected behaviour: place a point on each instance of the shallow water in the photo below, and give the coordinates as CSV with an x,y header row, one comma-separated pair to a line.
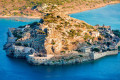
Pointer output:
x,y
108,15
107,68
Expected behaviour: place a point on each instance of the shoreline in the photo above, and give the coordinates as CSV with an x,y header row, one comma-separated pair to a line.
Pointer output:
x,y
69,12
52,61
31,17
91,8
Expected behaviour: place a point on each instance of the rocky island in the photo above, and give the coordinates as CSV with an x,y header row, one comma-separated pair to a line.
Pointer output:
x,y
58,39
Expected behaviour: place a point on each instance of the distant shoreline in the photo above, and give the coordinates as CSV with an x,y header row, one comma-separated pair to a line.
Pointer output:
x,y
20,16
91,8
69,12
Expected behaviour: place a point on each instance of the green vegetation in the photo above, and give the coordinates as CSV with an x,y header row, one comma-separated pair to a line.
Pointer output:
x,y
75,43
66,48
119,48
18,44
18,35
96,50
99,38
116,32
50,18
34,24
58,27
63,52
88,43
108,43
86,36
80,55
53,42
25,7
26,45
40,32
21,27
87,26
72,33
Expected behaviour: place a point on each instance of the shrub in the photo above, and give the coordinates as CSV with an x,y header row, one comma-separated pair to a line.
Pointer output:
x,y
96,50
108,43
109,49
18,44
66,48
99,38
62,52
119,48
88,43
16,35
86,36
72,33
80,55
32,25
21,27
40,32
116,32
26,45
53,42
58,27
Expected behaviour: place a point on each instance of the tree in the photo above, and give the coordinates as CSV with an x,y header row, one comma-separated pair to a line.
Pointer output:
x,y
18,44
96,50
26,45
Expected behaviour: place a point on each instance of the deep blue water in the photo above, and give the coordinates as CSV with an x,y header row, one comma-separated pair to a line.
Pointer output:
x,y
108,15
107,68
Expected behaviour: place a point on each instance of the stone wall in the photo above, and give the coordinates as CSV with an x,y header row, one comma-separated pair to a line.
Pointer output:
x,y
38,60
19,51
95,56
56,60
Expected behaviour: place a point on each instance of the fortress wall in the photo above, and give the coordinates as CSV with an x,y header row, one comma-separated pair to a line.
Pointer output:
x,y
51,60
19,51
38,60
100,55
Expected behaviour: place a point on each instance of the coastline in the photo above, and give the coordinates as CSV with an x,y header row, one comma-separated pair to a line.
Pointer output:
x,y
90,8
35,17
70,12
50,60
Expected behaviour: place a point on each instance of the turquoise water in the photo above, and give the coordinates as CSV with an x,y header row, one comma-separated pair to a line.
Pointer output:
x,y
108,15
107,68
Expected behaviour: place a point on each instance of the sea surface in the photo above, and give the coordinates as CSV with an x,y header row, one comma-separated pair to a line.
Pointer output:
x,y
107,68
108,15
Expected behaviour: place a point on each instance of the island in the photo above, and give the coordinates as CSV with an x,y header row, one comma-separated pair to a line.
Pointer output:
x,y
58,39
